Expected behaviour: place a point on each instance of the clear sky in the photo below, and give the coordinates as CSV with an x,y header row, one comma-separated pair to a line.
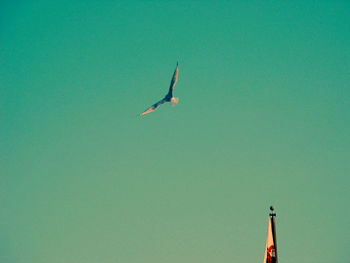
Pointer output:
x,y
263,118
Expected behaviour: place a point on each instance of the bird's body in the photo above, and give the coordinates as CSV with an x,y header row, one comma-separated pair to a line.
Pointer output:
x,y
169,96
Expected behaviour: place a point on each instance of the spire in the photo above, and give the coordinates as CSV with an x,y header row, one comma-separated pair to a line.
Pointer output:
x,y
270,255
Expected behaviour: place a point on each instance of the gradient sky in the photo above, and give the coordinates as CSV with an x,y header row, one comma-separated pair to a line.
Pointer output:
x,y
263,118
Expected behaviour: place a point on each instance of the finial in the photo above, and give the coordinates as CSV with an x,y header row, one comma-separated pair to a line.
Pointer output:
x,y
272,209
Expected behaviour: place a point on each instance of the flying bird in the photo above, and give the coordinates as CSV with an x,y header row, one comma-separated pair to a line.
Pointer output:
x,y
168,97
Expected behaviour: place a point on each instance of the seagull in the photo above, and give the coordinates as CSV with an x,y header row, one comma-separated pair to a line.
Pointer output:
x,y
168,97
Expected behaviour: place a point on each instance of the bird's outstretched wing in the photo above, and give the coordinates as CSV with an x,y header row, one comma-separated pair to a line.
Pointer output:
x,y
173,80
153,107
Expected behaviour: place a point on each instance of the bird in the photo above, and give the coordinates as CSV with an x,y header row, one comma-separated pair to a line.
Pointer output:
x,y
168,97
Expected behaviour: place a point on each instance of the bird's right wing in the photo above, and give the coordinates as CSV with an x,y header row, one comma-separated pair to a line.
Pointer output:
x,y
153,107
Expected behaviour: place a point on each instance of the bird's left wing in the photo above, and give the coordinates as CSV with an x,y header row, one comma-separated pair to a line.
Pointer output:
x,y
153,107
173,80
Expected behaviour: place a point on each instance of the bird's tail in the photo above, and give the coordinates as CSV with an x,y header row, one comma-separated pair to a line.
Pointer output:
x,y
174,101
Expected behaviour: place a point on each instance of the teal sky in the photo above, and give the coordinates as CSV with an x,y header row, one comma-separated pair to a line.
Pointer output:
x,y
263,118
